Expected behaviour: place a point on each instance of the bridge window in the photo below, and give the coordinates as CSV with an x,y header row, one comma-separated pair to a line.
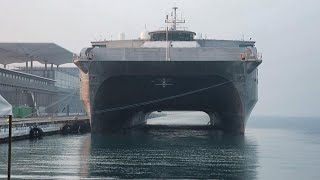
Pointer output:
x,y
172,36
245,45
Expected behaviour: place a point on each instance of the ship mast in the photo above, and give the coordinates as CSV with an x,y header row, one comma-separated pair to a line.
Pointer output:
x,y
174,21
167,36
175,18
173,27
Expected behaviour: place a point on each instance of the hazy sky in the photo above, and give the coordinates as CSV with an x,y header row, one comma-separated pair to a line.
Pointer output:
x,y
286,31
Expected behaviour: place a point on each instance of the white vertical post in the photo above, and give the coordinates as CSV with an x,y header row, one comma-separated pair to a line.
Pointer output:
x,y
167,34
9,147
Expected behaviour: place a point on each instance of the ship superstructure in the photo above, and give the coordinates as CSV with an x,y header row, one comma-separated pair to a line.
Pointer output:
x,y
123,81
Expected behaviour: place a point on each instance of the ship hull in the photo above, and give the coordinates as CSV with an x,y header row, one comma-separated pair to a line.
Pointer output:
x,y
121,94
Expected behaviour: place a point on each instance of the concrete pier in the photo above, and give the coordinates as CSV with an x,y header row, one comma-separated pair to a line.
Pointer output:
x,y
36,127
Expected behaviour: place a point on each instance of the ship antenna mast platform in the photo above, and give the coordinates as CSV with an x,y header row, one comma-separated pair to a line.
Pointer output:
x,y
174,21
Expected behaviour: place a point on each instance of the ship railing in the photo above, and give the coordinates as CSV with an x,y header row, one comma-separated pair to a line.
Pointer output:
x,y
75,57
89,57
259,56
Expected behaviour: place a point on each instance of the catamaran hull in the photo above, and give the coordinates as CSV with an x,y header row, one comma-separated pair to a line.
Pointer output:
x,y
121,94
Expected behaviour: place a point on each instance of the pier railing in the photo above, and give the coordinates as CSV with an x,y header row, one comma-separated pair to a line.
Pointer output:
x,y
27,84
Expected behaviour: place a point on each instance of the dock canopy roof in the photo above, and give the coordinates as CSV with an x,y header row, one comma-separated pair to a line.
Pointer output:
x,y
41,52
5,107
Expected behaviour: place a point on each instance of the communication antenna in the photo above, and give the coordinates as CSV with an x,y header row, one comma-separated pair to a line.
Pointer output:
x,y
174,21
175,18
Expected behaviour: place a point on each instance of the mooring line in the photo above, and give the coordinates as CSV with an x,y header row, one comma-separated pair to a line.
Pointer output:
x,y
158,100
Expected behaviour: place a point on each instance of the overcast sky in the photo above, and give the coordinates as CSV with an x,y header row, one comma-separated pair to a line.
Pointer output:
x,y
286,31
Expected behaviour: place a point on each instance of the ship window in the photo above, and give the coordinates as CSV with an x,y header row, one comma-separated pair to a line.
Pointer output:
x,y
172,36
98,46
245,45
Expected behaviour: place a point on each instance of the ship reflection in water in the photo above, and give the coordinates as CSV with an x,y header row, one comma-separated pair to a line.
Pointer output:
x,y
172,154
272,148
153,154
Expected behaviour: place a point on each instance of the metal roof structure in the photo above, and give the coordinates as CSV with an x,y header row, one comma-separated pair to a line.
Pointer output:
x,y
49,53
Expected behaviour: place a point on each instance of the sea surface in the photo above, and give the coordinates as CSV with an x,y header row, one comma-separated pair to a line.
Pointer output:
x,y
272,148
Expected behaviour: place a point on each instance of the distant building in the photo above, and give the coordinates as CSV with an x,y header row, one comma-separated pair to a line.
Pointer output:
x,y
48,91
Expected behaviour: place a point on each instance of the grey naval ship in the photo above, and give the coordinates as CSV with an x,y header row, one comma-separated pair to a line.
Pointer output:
x,y
172,69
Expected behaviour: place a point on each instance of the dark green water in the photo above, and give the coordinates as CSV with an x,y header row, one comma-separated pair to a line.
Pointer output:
x,y
272,148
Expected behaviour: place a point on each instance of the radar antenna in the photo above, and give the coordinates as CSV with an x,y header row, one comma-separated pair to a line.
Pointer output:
x,y
174,21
